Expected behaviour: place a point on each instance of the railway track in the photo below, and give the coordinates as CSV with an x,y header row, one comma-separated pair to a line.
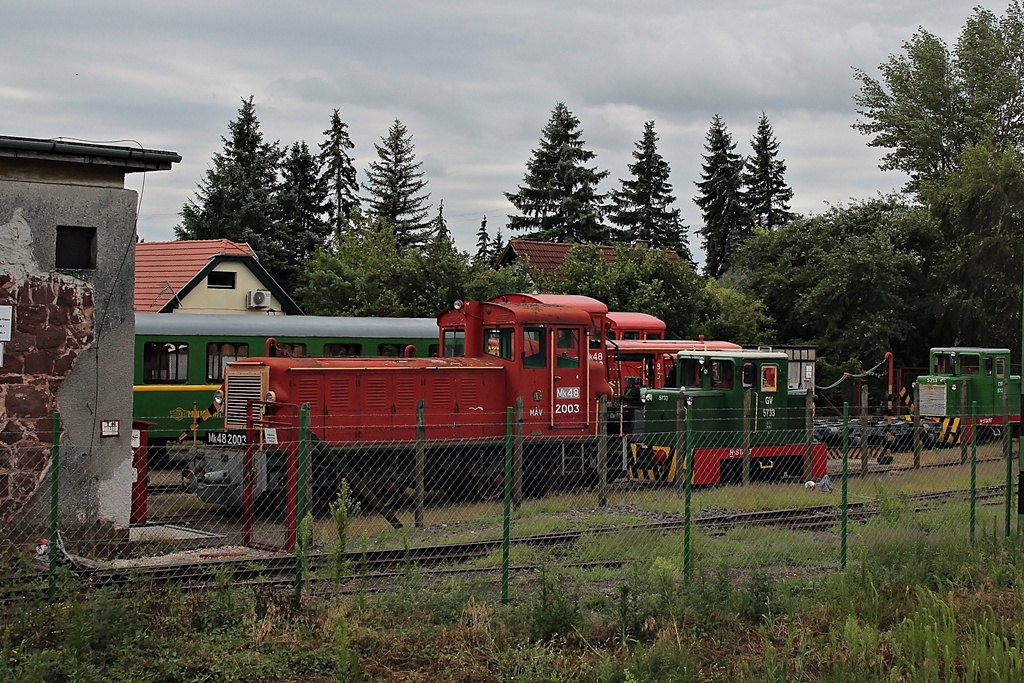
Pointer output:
x,y
279,569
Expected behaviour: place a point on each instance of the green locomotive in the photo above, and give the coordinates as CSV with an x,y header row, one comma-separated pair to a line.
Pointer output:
x,y
180,360
735,400
960,376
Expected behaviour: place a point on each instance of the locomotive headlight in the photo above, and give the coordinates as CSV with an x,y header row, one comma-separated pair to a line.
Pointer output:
x,y
458,305
271,397
218,397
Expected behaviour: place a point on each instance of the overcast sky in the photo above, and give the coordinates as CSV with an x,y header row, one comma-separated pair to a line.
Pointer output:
x,y
474,82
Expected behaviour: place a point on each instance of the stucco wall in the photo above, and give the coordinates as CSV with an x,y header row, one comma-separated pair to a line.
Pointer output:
x,y
72,349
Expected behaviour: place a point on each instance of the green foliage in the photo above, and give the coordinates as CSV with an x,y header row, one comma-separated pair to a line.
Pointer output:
x,y
302,207
396,184
558,199
641,207
637,280
339,174
347,666
554,612
735,315
721,200
342,510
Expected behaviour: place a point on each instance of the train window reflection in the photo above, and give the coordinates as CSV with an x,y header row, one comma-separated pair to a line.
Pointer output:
x,y
533,348
454,343
165,363
343,350
722,374
498,342
691,371
943,364
970,365
568,347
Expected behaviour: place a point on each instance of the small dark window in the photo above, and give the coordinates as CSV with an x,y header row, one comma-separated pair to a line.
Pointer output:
x,y
220,279
76,248
389,350
454,343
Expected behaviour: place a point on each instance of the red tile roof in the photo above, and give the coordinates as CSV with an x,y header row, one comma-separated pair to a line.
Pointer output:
x,y
547,257
162,269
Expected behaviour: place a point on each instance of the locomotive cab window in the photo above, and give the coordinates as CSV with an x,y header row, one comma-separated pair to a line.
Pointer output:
x,y
533,348
721,374
219,354
498,343
567,347
631,335
343,350
654,336
749,375
988,366
691,371
165,363
454,343
970,365
769,378
595,337
943,364
1000,367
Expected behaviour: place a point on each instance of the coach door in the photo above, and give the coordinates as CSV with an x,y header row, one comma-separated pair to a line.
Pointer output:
x,y
570,373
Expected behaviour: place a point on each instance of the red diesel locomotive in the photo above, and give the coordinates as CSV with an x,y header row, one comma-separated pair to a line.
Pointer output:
x,y
363,411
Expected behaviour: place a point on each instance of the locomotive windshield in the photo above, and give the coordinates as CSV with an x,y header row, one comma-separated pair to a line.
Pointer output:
x,y
722,374
943,364
691,372
454,343
568,348
533,348
498,342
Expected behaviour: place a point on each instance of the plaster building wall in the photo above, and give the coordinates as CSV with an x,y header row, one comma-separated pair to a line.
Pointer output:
x,y
219,301
71,350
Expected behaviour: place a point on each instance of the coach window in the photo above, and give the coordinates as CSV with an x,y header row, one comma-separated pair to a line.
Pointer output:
x,y
343,350
454,343
533,348
389,350
631,335
165,363
498,342
291,350
218,354
568,348
970,365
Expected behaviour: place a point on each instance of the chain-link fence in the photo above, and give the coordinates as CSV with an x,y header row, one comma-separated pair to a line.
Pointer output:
x,y
719,488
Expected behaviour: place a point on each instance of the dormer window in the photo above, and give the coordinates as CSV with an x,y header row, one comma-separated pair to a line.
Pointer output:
x,y
220,279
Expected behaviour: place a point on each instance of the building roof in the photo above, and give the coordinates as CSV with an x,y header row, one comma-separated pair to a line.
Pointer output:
x,y
547,257
167,271
128,159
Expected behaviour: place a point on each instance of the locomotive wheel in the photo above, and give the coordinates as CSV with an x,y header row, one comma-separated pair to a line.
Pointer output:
x,y
490,486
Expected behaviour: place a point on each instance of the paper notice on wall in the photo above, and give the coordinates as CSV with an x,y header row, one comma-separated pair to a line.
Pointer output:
x,y
6,322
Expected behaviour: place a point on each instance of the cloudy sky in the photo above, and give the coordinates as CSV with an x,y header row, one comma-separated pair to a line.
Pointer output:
x,y
473,81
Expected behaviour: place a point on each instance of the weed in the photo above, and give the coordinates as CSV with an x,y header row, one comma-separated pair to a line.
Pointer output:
x,y
554,613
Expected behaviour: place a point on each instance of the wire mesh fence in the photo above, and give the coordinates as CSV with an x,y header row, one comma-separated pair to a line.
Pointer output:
x,y
292,499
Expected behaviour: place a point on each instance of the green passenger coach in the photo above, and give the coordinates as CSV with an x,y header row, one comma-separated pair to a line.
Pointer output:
x,y
180,359
961,376
734,400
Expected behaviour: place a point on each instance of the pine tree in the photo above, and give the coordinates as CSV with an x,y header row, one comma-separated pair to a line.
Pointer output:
x,y
303,226
236,198
721,200
395,183
558,199
767,194
497,245
441,231
339,172
483,243
642,206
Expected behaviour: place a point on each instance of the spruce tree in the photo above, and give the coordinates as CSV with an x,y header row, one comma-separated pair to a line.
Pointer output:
x,y
395,184
441,231
642,206
558,200
236,198
497,245
339,173
483,243
721,200
767,194
303,226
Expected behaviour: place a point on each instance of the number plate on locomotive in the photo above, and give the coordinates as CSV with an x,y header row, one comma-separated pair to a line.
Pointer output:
x,y
224,439
568,392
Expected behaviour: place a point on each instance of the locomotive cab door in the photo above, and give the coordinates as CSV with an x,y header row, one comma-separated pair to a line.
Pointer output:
x,y
570,377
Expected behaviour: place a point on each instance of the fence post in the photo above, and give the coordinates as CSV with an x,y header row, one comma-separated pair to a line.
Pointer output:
x,y
688,529
845,487
421,461
54,506
680,446
517,457
747,429
1008,449
249,476
506,531
809,433
602,452
865,431
974,468
917,426
963,422
301,550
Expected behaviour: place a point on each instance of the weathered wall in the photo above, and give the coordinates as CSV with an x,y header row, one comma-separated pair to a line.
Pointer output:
x,y
71,351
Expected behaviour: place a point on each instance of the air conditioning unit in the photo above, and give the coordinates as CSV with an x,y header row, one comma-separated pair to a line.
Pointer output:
x,y
257,298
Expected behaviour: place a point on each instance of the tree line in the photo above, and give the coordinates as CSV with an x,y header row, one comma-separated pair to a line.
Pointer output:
x,y
936,263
